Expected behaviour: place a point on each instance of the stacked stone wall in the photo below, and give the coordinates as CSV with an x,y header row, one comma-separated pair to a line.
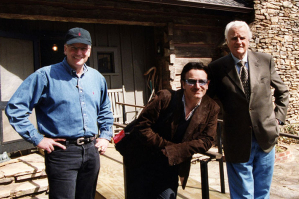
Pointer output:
x,y
276,32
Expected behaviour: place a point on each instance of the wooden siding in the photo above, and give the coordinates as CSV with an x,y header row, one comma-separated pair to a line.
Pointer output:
x,y
134,46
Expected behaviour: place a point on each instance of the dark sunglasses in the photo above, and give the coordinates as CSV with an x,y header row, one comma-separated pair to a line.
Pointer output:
x,y
192,82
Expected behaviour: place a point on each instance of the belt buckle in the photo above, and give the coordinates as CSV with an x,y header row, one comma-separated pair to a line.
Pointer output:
x,y
80,141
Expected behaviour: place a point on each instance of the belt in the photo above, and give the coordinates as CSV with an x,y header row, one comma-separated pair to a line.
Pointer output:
x,y
80,141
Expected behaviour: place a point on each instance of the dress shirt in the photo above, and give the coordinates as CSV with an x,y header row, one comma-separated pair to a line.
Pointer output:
x,y
66,106
238,60
191,113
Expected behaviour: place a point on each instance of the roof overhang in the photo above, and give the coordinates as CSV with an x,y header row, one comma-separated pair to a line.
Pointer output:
x,y
199,4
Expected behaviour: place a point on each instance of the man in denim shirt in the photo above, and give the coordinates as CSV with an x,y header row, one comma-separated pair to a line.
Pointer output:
x,y
72,106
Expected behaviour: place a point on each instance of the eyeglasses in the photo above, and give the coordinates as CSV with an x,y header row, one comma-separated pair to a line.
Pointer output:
x,y
192,82
74,48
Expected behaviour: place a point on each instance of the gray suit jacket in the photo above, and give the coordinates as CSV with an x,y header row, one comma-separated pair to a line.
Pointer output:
x,y
242,118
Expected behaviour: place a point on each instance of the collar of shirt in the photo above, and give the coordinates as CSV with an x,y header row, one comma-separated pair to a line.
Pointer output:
x,y
191,113
245,58
70,70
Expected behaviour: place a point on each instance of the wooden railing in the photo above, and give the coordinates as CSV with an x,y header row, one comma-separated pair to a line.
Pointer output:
x,y
289,135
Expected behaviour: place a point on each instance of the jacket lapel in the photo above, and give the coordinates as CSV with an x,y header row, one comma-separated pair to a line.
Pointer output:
x,y
230,69
253,70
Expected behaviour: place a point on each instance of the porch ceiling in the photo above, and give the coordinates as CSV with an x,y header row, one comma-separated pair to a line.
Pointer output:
x,y
128,12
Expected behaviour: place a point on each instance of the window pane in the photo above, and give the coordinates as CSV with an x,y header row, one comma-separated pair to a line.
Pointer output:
x,y
105,62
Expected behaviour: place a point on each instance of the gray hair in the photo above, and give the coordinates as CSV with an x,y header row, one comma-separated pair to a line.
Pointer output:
x,y
237,24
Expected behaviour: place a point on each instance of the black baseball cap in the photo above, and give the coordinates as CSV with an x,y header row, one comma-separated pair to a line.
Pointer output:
x,y
78,35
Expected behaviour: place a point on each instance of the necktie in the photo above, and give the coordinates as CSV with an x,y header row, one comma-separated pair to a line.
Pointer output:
x,y
244,79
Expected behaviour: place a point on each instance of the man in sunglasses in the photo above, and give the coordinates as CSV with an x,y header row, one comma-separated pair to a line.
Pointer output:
x,y
171,128
71,105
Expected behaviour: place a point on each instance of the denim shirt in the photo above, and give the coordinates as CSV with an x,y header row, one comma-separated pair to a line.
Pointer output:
x,y
66,106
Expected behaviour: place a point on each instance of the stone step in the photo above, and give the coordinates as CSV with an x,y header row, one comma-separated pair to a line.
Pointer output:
x,y
24,188
29,166
22,176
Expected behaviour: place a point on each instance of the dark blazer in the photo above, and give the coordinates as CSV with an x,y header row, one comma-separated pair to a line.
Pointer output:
x,y
153,143
242,118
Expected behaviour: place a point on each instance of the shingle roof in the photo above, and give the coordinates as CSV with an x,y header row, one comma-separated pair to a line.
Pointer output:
x,y
227,5
235,3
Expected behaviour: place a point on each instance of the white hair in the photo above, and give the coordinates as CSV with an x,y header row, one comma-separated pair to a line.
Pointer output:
x,y
237,24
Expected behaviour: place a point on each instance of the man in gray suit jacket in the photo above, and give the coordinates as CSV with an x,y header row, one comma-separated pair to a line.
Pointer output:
x,y
250,119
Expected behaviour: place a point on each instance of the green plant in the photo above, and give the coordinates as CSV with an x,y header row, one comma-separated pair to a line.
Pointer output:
x,y
279,148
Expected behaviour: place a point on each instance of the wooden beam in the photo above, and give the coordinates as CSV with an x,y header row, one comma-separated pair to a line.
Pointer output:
x,y
195,45
198,27
289,135
193,4
110,12
119,125
132,105
77,20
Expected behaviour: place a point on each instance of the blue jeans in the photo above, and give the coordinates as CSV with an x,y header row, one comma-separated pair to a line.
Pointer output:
x,y
253,178
73,172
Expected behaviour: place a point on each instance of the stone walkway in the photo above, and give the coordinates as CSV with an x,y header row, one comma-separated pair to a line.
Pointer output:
x,y
285,183
22,176
16,174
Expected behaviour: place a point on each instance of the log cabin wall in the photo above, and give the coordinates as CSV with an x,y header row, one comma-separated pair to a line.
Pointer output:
x,y
142,33
197,35
203,41
184,29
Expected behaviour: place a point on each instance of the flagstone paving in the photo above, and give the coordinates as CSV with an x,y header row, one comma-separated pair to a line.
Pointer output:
x,y
24,177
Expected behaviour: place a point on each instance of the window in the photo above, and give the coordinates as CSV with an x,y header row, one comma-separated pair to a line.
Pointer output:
x,y
105,62
105,59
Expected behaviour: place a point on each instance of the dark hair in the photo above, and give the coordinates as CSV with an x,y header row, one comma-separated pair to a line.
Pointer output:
x,y
193,65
